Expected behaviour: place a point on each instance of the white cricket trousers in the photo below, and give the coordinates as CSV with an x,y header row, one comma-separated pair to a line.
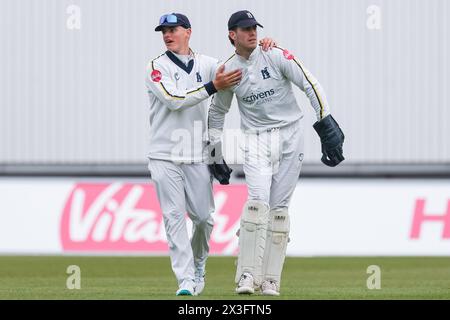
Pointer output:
x,y
273,160
185,188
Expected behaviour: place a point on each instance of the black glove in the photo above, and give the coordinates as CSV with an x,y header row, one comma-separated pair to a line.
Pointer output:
x,y
332,139
218,167
221,171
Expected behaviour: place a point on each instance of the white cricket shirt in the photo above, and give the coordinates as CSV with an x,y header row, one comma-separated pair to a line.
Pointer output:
x,y
264,95
178,96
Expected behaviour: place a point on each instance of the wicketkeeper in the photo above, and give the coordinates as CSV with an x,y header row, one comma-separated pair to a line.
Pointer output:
x,y
272,123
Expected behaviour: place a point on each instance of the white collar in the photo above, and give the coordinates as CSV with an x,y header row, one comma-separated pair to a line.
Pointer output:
x,y
253,56
185,58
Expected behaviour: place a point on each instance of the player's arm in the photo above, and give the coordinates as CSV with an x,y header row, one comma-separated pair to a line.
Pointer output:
x,y
160,83
296,72
331,135
220,105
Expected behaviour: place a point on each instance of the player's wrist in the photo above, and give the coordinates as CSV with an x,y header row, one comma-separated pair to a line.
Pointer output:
x,y
211,88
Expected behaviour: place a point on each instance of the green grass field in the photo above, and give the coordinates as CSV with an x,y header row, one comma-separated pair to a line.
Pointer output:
x,y
42,277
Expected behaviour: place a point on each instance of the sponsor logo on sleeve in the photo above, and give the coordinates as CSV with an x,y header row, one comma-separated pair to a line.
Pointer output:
x,y
156,76
288,55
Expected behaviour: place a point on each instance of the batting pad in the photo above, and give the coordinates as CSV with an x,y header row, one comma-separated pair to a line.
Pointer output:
x,y
252,239
276,244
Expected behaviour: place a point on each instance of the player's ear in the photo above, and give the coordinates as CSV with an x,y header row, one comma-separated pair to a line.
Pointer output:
x,y
232,35
189,32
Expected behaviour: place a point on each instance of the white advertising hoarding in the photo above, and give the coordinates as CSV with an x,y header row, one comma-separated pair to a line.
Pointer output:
x,y
337,217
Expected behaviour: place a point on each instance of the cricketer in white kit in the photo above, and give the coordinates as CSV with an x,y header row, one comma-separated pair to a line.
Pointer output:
x,y
273,127
179,82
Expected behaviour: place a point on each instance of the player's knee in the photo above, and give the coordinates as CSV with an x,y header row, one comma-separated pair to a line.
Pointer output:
x,y
256,212
262,199
204,220
259,195
278,204
173,216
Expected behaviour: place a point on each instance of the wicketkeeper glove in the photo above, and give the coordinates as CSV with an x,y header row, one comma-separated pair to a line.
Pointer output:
x,y
217,165
332,139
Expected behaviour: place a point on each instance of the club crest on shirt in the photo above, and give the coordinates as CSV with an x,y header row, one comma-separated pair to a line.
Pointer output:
x,y
265,73
288,55
177,76
199,77
156,75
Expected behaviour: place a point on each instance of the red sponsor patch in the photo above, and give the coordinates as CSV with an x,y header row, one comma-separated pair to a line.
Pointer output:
x,y
156,75
288,55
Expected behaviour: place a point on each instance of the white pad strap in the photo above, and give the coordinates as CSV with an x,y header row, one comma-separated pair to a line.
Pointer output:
x,y
252,239
276,244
